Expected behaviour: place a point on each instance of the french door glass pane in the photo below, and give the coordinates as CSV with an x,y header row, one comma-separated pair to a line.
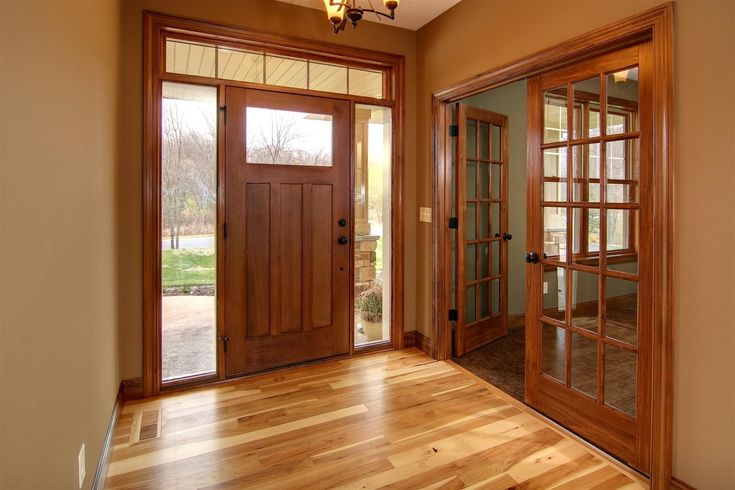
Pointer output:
x,y
484,141
553,346
622,100
496,181
484,180
188,219
497,144
586,94
555,115
471,139
484,300
621,310
471,180
471,224
373,145
470,314
622,171
620,379
484,220
495,218
495,259
555,232
586,166
618,228
555,297
484,260
469,261
585,300
584,364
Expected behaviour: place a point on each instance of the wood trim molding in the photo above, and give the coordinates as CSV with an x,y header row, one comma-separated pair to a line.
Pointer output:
x,y
100,473
156,27
409,339
677,484
414,338
132,389
655,25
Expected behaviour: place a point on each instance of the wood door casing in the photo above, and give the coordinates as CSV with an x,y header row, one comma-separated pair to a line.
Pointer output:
x,y
475,329
591,413
287,277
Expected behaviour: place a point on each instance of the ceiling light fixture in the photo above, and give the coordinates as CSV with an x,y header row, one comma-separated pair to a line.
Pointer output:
x,y
341,12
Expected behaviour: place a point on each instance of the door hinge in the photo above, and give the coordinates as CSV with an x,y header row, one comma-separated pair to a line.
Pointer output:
x,y
453,130
224,231
224,111
453,223
453,315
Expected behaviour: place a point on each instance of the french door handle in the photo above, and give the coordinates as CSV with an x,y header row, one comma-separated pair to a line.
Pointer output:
x,y
224,340
532,258
343,240
507,236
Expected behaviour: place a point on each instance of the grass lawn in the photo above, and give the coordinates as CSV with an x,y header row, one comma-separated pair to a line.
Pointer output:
x,y
188,267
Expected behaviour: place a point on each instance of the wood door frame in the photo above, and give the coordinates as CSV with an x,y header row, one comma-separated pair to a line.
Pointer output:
x,y
156,27
657,26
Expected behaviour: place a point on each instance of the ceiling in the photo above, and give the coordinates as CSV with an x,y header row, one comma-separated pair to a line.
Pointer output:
x,y
410,14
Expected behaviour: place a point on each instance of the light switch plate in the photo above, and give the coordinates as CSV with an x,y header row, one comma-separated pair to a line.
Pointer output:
x,y
425,215
546,288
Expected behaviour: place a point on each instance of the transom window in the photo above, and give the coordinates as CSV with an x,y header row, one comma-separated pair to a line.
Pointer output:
x,y
260,67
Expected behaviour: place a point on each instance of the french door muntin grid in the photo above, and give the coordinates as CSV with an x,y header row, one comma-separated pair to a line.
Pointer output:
x,y
477,156
567,261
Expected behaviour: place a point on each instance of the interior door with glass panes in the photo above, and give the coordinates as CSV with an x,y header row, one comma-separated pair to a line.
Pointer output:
x,y
588,330
482,234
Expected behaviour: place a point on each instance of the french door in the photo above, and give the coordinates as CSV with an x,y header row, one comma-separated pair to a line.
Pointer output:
x,y
589,275
482,235
287,199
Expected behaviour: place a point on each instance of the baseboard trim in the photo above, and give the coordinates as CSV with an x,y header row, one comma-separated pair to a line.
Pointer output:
x,y
409,339
104,462
132,388
423,342
677,484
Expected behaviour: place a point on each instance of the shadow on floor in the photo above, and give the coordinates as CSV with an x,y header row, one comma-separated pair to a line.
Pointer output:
x,y
500,363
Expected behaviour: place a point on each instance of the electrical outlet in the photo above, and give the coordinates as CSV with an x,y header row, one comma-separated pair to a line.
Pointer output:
x,y
425,215
82,466
546,288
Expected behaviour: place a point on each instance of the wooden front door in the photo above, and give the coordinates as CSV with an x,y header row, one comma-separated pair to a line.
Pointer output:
x,y
590,275
482,234
287,264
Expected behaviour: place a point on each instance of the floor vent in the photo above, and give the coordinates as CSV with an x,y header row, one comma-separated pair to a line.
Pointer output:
x,y
146,426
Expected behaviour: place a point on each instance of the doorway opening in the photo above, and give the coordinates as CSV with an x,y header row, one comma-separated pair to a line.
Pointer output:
x,y
597,334
272,202
500,358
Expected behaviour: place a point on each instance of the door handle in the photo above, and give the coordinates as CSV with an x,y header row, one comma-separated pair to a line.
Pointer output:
x,y
507,236
532,258
343,240
342,222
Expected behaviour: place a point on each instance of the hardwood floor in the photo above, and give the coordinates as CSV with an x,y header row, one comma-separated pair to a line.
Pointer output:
x,y
396,419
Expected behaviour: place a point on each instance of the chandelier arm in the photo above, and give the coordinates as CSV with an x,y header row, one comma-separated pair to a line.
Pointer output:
x,y
392,15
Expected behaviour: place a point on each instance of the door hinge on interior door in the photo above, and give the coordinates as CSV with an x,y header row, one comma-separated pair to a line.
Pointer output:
x,y
453,223
224,231
453,130
453,315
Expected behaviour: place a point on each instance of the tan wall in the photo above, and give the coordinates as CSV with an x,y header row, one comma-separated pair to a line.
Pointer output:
x,y
477,35
58,344
264,15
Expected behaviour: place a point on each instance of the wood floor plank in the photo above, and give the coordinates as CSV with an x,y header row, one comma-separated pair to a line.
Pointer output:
x,y
395,419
